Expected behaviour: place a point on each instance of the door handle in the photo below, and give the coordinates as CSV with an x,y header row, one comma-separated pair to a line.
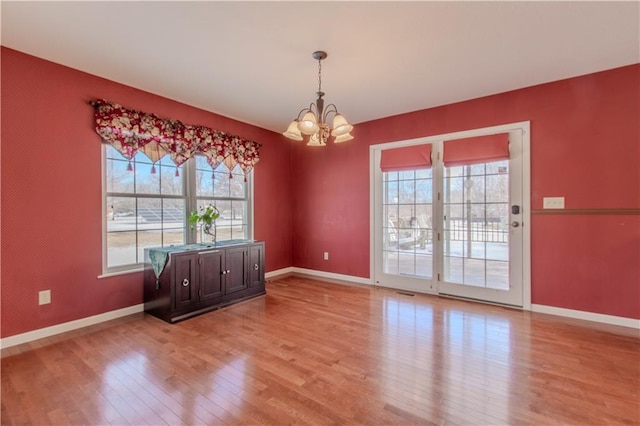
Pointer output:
x,y
185,282
256,267
515,224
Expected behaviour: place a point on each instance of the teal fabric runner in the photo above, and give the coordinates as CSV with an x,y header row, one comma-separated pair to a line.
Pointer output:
x,y
160,255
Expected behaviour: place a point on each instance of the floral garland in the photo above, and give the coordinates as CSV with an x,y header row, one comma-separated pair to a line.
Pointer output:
x,y
130,131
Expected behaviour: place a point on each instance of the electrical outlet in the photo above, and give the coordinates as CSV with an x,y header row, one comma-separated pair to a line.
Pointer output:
x,y
326,255
44,297
553,202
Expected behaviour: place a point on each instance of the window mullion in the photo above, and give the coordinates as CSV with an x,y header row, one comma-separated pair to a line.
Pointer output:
x,y
190,192
136,195
211,197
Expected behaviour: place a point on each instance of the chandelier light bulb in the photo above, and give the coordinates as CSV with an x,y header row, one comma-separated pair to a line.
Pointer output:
x,y
343,138
340,125
308,125
315,140
293,132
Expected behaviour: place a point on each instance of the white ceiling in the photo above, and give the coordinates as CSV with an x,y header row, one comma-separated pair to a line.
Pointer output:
x,y
252,60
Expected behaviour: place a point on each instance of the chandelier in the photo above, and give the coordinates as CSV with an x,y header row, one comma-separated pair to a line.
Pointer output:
x,y
314,121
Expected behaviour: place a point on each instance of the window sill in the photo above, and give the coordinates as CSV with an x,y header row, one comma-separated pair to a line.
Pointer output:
x,y
115,274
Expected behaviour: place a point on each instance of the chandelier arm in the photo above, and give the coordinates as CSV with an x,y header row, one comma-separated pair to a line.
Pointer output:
x,y
331,108
312,109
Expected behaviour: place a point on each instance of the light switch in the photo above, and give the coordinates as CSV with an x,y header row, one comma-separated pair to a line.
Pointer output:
x,y
553,202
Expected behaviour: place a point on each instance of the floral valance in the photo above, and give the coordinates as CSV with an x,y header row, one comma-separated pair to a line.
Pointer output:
x,y
130,131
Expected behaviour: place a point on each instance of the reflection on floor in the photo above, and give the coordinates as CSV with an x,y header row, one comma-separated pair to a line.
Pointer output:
x,y
314,352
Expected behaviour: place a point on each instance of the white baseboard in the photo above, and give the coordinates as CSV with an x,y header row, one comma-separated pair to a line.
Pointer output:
x,y
41,333
278,272
587,316
544,309
332,276
319,274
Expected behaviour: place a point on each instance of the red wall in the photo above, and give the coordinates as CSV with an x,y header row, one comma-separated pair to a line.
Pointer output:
x,y
585,143
51,185
584,146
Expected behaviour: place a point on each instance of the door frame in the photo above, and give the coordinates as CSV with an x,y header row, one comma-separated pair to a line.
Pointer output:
x,y
525,127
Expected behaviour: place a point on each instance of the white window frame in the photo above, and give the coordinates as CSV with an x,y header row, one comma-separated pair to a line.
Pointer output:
x,y
189,172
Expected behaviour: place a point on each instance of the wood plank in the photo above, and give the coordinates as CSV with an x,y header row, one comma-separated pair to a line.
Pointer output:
x,y
312,352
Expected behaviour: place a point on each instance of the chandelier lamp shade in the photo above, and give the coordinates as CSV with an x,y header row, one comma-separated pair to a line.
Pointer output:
x,y
313,121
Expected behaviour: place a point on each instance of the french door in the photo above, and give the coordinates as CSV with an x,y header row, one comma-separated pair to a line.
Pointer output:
x,y
456,228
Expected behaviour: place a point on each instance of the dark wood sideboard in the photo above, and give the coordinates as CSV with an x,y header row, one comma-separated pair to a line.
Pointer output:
x,y
199,278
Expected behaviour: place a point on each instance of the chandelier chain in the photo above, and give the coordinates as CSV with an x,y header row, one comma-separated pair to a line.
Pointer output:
x,y
319,75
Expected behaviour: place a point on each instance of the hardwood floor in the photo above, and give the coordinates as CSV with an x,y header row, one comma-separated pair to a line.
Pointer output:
x,y
321,353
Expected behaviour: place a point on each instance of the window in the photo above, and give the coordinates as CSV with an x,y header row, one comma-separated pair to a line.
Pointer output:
x,y
147,205
228,194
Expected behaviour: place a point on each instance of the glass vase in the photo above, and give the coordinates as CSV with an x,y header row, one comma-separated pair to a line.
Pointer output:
x,y
208,233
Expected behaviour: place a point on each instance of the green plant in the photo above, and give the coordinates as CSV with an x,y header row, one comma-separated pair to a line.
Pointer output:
x,y
205,215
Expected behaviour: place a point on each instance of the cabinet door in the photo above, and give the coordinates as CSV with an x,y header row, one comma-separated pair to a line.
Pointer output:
x,y
185,282
210,276
256,265
236,270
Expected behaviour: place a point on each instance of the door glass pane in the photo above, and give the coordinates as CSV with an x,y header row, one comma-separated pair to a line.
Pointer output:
x,y
497,275
474,270
424,266
391,192
407,264
407,232
476,215
453,267
390,261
